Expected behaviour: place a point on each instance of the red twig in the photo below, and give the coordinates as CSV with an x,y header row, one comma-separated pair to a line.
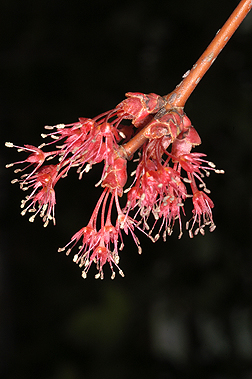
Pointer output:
x,y
179,96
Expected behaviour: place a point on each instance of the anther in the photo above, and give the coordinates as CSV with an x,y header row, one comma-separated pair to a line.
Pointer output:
x,y
46,223
86,263
142,196
84,275
75,258
48,127
121,273
123,136
127,190
164,236
212,227
211,164
187,180
88,167
9,144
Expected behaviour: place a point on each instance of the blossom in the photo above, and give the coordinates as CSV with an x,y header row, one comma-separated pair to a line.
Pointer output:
x,y
37,157
43,194
167,174
98,245
202,213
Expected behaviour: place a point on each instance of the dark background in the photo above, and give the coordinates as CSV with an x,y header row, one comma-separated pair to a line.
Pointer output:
x,y
184,308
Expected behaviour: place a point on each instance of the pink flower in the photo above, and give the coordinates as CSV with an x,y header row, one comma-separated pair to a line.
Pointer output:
x,y
37,157
166,175
202,214
42,195
98,246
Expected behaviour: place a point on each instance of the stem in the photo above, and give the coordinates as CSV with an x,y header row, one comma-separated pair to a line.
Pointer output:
x,y
179,96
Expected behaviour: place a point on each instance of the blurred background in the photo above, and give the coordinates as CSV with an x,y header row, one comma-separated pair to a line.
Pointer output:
x,y
184,308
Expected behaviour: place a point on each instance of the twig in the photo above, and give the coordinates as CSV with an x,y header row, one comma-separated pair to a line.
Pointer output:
x,y
179,96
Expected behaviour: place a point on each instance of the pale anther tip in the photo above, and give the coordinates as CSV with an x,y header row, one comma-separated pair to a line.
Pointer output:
x,y
9,144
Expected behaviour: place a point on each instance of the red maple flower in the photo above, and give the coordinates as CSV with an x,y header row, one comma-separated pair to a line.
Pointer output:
x,y
166,175
37,157
202,214
43,194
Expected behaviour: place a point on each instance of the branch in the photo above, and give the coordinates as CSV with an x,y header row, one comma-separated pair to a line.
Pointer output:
x,y
179,96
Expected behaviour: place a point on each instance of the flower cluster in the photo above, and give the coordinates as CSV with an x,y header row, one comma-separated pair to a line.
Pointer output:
x,y
167,173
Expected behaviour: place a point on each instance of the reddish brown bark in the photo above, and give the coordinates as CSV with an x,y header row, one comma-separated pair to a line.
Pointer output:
x,y
181,93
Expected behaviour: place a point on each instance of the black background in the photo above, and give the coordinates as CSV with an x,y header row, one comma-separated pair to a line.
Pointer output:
x,y
184,308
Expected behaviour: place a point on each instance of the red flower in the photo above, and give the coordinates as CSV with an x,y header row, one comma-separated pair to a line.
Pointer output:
x,y
99,246
166,175
202,214
37,157
43,195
